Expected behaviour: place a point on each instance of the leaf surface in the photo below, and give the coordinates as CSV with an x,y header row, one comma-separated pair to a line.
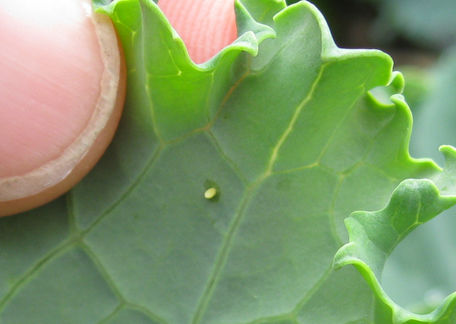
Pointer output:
x,y
281,123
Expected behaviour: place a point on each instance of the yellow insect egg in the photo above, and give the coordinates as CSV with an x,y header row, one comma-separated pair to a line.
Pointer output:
x,y
210,193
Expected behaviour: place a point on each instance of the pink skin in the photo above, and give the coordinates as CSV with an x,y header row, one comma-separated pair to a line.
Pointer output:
x,y
49,81
50,73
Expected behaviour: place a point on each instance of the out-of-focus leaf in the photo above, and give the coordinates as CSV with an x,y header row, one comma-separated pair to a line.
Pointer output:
x,y
429,23
436,116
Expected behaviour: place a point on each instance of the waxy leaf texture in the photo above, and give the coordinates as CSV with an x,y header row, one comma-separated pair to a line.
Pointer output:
x,y
283,125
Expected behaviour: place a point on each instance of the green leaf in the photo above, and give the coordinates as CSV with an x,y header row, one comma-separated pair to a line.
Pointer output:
x,y
419,274
374,235
281,124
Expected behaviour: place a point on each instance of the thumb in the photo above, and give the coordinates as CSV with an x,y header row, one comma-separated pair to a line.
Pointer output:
x,y
61,95
206,26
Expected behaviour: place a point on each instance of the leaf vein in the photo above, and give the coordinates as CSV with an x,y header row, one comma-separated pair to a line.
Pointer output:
x,y
211,122
129,190
289,129
147,88
60,249
112,314
225,157
339,125
223,255
145,311
313,290
103,271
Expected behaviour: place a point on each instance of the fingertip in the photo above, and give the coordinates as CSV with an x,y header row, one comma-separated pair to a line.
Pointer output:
x,y
205,26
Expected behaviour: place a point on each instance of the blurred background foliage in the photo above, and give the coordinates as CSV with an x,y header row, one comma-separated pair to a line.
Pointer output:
x,y
420,35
